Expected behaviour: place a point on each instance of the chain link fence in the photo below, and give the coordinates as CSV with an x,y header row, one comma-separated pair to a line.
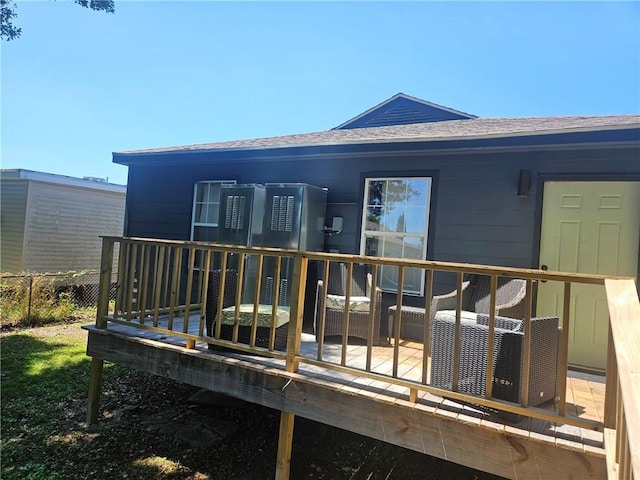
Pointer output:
x,y
33,297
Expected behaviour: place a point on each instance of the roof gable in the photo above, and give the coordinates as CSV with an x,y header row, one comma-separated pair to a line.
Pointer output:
x,y
402,109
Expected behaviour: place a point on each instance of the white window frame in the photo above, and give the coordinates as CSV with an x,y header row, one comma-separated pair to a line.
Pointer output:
x,y
364,233
195,223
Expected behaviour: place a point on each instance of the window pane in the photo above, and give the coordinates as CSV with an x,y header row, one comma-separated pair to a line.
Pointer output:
x,y
412,280
212,213
397,247
415,219
214,193
389,278
413,248
205,234
392,247
376,187
374,218
393,218
371,247
417,192
395,192
201,192
200,213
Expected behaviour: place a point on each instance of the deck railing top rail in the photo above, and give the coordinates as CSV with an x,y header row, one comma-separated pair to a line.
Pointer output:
x,y
468,268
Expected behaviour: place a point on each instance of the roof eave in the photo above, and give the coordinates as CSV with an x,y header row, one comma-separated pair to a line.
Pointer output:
x,y
460,138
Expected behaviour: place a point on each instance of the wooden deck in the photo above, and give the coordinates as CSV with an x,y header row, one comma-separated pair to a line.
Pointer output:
x,y
383,392
529,448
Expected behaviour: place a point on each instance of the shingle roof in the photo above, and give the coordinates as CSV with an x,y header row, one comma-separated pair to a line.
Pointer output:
x,y
477,128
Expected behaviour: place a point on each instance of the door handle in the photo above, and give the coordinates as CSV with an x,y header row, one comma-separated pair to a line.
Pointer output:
x,y
544,268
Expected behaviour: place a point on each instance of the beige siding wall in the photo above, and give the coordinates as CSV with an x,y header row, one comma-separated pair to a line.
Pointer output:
x,y
64,225
13,205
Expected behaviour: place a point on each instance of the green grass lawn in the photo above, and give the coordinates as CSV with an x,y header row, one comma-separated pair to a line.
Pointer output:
x,y
41,377
45,377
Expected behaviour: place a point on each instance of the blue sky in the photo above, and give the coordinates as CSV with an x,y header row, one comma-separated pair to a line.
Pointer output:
x,y
80,84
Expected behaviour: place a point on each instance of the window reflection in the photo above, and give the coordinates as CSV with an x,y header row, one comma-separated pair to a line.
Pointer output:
x,y
395,222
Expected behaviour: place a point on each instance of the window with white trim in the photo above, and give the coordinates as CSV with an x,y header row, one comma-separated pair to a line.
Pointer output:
x,y
206,203
395,223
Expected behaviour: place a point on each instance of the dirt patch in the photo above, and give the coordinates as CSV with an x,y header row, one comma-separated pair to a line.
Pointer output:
x,y
71,328
192,427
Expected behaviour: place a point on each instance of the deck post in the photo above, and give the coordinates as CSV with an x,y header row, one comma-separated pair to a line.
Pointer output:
x,y
285,443
95,390
106,267
95,380
297,308
611,389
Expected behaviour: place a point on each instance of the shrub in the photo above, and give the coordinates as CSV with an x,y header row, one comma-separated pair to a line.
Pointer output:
x,y
32,300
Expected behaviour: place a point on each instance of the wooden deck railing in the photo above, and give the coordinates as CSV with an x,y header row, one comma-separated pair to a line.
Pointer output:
x,y
622,435
164,286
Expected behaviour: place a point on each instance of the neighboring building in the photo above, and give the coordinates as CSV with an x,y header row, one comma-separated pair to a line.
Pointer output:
x,y
53,223
414,179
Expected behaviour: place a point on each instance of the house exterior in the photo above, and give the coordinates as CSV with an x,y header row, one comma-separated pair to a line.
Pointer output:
x,y
409,178
53,223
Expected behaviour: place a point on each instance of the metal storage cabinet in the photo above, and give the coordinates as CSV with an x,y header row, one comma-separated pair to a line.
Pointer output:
x,y
294,219
241,217
241,214
294,216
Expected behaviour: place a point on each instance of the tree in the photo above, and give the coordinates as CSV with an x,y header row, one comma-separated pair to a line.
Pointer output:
x,y
8,13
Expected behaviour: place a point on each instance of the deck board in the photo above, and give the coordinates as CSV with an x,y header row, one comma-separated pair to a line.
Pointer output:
x,y
500,449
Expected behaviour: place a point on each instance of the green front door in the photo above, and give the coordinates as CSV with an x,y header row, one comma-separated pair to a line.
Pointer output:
x,y
587,227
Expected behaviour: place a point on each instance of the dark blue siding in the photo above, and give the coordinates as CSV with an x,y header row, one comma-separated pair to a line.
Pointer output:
x,y
476,216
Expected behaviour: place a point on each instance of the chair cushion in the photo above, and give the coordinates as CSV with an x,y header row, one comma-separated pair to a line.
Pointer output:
x,y
357,304
245,317
505,323
465,317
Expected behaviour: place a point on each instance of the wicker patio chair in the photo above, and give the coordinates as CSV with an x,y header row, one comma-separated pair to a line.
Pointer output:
x,y
476,297
507,363
213,295
364,297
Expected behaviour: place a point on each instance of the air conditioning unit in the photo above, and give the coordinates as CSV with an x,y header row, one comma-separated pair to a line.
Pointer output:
x,y
241,214
294,216
293,220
